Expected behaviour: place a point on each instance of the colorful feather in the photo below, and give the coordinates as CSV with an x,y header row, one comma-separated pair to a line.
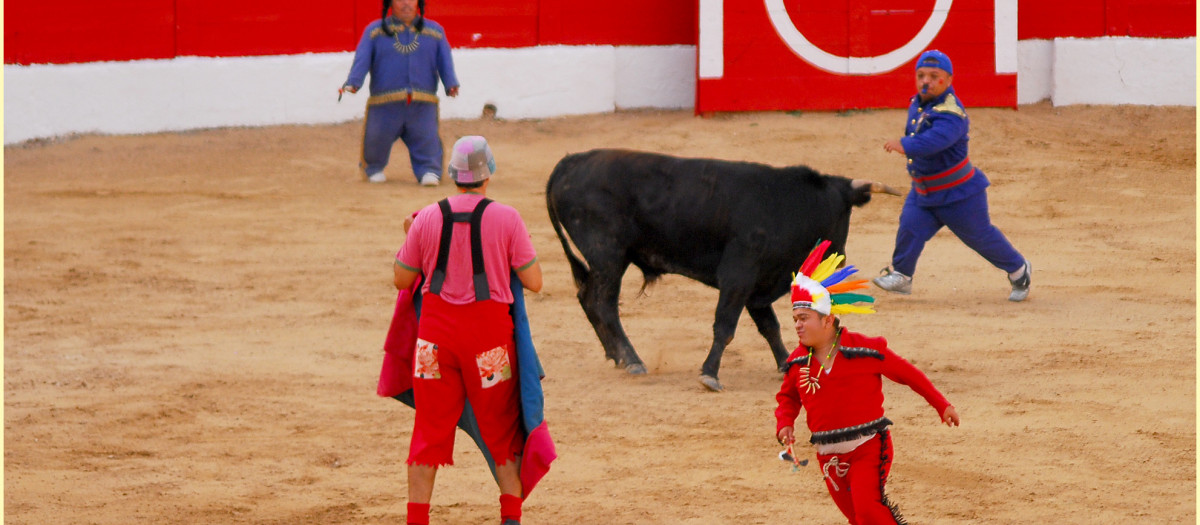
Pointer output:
x,y
814,258
838,276
848,286
847,298
838,309
826,268
822,286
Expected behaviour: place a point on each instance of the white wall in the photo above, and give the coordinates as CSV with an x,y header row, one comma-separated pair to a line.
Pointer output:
x,y
530,82
1125,71
166,95
1140,71
1035,70
655,77
193,92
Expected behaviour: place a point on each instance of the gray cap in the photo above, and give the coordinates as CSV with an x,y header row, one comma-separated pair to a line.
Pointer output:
x,y
471,160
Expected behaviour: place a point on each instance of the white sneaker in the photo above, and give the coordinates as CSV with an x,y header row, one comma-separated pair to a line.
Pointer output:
x,y
1020,287
430,179
376,178
894,282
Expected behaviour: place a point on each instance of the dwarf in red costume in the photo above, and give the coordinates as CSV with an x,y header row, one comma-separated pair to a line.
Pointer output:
x,y
836,375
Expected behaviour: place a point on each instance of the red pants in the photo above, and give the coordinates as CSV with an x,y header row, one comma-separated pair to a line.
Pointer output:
x,y
464,353
855,481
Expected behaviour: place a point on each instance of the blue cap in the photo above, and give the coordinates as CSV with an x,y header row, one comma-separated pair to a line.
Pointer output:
x,y
935,58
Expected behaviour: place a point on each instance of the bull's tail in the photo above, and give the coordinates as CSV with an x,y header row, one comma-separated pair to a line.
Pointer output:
x,y
579,270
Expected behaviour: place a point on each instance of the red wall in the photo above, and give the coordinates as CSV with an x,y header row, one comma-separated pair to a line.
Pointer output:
x,y
42,31
618,22
761,73
238,28
46,31
1095,18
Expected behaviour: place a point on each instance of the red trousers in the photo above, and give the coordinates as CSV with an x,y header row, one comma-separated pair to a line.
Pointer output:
x,y
855,481
464,353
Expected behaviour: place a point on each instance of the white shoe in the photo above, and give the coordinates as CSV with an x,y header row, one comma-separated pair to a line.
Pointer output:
x,y
376,178
894,282
1020,287
430,179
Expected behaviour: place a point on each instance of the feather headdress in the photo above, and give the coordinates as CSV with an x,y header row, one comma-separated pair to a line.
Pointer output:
x,y
819,285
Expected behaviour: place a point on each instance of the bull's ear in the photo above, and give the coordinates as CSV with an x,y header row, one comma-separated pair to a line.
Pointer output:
x,y
860,192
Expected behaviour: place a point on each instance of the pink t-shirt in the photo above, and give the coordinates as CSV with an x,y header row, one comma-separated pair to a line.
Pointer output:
x,y
506,247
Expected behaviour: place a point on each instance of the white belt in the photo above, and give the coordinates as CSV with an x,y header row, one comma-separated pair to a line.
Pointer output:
x,y
842,447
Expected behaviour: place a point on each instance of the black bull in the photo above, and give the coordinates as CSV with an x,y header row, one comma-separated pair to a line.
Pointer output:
x,y
740,227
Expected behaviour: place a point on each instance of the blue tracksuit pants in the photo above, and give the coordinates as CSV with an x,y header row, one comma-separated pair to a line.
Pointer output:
x,y
415,123
968,219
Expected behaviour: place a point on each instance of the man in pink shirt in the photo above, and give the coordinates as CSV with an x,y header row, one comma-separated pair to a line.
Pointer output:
x,y
465,349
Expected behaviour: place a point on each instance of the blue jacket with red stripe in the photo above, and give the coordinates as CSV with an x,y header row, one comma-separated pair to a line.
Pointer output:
x,y
935,141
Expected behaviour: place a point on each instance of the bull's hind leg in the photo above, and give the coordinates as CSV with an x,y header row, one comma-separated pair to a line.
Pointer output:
x,y
768,325
599,297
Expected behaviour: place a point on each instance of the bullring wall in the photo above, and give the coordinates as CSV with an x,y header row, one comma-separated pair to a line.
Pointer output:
x,y
155,65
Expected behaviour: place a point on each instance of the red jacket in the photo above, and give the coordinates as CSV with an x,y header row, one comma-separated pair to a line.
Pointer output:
x,y
849,402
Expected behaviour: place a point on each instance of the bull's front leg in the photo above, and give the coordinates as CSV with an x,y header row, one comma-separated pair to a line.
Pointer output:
x,y
729,307
768,325
599,298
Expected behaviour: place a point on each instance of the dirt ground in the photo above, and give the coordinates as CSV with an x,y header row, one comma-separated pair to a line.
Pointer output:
x,y
193,329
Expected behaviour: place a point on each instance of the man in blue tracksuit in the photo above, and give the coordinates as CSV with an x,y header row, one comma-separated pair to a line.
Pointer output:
x,y
947,190
406,55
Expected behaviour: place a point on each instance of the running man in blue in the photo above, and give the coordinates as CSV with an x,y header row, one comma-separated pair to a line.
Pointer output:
x,y
947,190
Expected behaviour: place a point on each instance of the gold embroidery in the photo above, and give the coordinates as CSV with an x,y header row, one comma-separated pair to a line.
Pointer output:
x,y
406,49
395,29
402,96
950,105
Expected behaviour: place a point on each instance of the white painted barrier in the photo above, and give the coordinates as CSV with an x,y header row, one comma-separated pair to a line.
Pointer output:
x,y
1142,71
147,96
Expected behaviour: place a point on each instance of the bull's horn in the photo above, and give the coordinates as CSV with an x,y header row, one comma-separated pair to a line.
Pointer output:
x,y
876,187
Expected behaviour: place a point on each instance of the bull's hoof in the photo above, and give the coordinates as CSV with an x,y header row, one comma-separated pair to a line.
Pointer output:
x,y
711,383
636,369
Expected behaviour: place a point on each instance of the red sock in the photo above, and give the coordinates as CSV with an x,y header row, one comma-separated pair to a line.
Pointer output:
x,y
418,514
510,507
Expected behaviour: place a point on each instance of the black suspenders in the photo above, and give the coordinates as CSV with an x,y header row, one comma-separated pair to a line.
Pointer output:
x,y
448,219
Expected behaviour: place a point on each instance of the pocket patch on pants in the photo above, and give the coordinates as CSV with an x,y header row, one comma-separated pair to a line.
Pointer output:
x,y
425,366
493,367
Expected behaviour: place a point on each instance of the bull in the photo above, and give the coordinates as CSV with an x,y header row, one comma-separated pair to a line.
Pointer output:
x,y
740,227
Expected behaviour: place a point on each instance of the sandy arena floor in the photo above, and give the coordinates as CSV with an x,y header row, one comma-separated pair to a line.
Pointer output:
x,y
193,330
